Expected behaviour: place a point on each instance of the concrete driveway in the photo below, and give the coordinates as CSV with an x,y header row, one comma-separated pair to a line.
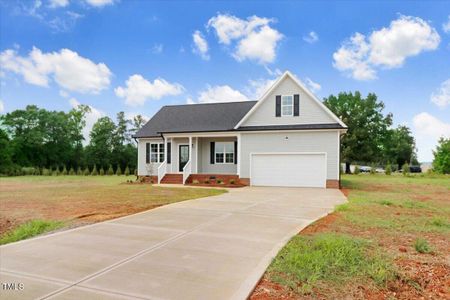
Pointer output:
x,y
211,248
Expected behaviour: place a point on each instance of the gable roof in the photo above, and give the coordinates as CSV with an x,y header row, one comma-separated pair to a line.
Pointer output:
x,y
195,118
275,85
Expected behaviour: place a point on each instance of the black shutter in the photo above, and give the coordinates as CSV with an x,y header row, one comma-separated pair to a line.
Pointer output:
x,y
147,153
211,157
169,153
235,152
277,106
296,105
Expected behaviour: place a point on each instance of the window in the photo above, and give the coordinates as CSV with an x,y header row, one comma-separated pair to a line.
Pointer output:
x,y
224,152
157,153
287,105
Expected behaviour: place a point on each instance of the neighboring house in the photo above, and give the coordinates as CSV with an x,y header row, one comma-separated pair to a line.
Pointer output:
x,y
286,138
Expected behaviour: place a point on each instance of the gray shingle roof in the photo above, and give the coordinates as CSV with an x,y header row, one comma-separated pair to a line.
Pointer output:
x,y
195,118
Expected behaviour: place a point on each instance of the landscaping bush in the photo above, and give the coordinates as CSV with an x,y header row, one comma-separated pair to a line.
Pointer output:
x,y
422,246
405,169
206,181
110,170
219,181
232,181
79,171
94,171
71,171
357,170
118,171
28,171
102,171
64,170
373,168
195,181
388,169
46,172
55,172
127,171
86,171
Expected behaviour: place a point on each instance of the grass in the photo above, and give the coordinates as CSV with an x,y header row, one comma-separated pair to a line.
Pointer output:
x,y
314,260
29,229
77,200
371,241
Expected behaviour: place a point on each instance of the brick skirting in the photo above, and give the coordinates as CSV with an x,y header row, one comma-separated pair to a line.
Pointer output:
x,y
213,178
332,184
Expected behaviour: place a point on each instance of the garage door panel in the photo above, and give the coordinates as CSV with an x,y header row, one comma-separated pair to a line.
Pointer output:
x,y
296,170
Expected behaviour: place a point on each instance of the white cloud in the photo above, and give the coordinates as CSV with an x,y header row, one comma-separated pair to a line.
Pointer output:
x,y
313,86
446,25
255,39
2,106
91,118
63,93
311,38
257,88
100,3
138,90
442,95
220,93
157,48
428,129
387,48
200,45
58,3
68,69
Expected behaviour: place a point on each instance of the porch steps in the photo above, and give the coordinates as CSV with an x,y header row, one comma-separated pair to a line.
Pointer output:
x,y
173,179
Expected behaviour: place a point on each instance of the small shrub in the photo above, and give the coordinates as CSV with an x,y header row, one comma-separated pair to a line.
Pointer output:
x,y
388,169
110,170
422,246
357,170
55,172
28,230
64,170
94,171
439,222
219,181
195,181
102,171
118,171
206,181
405,169
373,168
232,181
79,171
27,171
86,172
46,172
386,202
71,171
127,171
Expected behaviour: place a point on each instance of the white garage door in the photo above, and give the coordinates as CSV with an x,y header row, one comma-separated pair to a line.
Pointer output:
x,y
288,169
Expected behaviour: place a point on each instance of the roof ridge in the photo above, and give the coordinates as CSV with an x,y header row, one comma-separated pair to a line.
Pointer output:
x,y
209,103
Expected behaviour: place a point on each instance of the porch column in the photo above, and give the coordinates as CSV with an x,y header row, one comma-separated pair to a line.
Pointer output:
x,y
165,151
171,153
190,149
196,155
239,154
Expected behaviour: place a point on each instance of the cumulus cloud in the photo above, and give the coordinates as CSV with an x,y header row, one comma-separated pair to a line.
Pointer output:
x,y
157,48
138,90
428,129
2,106
100,3
407,36
58,3
446,25
442,95
200,45
312,86
91,118
311,38
219,93
69,70
254,38
256,88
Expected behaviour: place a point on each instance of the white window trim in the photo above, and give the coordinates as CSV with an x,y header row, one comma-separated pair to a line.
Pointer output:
x,y
224,155
158,153
283,105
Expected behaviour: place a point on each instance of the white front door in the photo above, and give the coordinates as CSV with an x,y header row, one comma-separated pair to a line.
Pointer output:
x,y
288,169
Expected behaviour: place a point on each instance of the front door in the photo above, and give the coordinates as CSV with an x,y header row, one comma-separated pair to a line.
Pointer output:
x,y
183,156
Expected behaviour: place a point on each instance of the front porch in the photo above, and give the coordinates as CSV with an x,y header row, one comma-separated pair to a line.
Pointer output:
x,y
197,159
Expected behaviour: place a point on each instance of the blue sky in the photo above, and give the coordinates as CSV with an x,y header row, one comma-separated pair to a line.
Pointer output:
x,y
136,56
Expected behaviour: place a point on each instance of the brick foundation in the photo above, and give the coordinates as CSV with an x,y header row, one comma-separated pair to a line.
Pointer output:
x,y
245,181
332,184
149,179
213,178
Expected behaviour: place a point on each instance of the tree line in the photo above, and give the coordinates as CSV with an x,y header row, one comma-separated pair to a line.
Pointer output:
x,y
36,140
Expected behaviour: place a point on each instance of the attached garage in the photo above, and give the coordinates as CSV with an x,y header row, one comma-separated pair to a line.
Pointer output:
x,y
288,169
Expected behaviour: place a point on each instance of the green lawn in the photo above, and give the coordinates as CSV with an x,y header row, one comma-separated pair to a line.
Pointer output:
x,y
390,240
32,205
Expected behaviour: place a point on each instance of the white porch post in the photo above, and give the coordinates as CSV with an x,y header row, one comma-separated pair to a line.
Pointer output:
x,y
171,154
165,151
196,155
239,154
190,149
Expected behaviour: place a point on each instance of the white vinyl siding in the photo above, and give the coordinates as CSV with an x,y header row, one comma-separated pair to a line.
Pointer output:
x,y
143,168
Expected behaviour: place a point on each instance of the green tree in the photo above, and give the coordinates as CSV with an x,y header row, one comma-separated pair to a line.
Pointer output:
x,y
127,171
388,169
367,126
137,123
100,148
405,169
102,171
441,161
94,171
118,171
399,146
110,170
5,153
